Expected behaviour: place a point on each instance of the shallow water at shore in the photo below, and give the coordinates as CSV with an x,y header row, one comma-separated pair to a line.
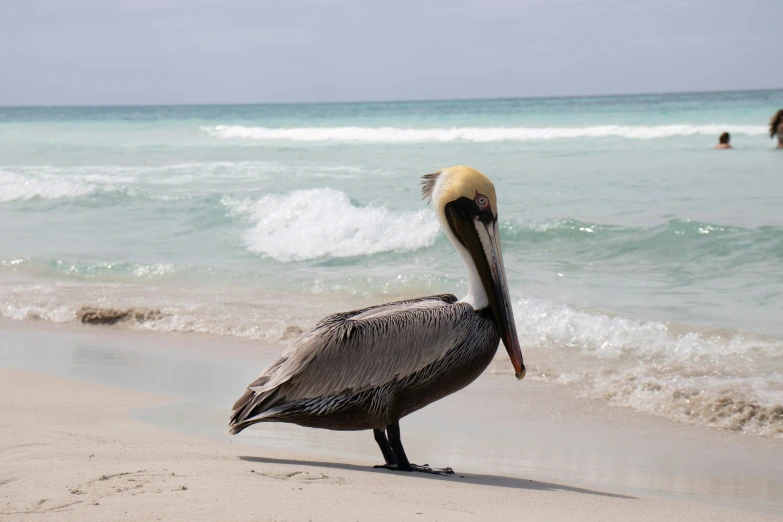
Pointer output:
x,y
719,378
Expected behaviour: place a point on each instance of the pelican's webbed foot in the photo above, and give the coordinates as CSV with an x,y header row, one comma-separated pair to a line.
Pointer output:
x,y
415,467
396,460
427,469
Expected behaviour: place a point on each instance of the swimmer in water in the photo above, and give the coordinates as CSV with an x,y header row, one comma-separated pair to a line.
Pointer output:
x,y
723,141
776,127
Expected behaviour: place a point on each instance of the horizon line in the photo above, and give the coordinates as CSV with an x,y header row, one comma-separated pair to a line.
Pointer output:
x,y
419,100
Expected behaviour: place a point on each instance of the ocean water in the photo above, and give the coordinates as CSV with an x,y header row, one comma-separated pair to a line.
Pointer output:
x,y
646,268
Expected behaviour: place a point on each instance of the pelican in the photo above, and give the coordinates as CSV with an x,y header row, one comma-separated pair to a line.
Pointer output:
x,y
367,369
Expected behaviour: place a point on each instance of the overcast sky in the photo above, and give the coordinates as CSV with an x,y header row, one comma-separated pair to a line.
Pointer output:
x,y
96,52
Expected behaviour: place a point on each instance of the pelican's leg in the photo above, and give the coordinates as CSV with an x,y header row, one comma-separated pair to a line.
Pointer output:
x,y
383,443
401,460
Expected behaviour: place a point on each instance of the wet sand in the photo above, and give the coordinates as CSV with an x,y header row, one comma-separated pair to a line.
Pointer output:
x,y
136,407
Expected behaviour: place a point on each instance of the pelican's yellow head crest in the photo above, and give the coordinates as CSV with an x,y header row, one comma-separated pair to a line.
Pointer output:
x,y
457,182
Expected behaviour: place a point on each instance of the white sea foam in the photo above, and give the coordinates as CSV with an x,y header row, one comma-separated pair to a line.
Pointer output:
x,y
749,404
473,134
702,377
25,182
547,324
310,224
45,312
16,187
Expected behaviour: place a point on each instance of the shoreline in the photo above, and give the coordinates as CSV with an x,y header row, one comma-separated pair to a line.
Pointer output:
x,y
91,462
536,431
698,376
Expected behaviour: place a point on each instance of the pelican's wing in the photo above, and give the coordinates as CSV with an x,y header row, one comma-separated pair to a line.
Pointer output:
x,y
356,351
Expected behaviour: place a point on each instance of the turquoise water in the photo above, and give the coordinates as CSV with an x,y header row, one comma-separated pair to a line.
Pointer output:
x,y
646,267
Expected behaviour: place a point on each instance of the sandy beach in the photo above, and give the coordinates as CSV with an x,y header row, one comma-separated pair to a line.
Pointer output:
x,y
71,453
74,449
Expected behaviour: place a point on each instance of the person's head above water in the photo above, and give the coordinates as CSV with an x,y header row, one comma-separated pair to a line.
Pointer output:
x,y
723,141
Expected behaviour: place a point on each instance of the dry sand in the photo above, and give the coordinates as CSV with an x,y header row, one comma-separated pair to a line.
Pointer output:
x,y
70,451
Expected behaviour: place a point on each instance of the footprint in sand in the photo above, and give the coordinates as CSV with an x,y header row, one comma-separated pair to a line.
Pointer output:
x,y
304,477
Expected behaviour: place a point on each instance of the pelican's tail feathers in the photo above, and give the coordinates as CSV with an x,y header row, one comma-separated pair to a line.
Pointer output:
x,y
252,407
235,428
256,401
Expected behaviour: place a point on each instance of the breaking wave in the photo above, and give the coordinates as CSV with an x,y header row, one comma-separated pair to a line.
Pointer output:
x,y
311,224
546,324
473,134
20,188
165,182
717,378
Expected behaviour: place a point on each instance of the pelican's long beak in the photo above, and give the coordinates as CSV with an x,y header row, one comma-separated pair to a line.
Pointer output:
x,y
482,240
497,291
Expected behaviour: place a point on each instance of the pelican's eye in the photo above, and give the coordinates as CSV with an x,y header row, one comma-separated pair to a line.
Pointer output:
x,y
482,201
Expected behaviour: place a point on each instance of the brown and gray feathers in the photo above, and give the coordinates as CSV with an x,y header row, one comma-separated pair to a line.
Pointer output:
x,y
349,353
428,184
